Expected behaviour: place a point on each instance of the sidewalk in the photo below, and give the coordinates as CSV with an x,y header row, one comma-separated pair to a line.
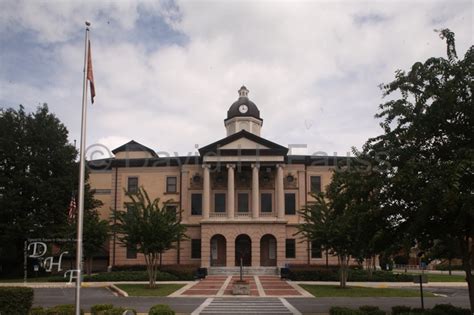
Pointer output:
x,y
84,284
334,283
388,284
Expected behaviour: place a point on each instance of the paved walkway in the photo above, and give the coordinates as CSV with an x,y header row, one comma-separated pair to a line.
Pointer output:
x,y
260,286
243,306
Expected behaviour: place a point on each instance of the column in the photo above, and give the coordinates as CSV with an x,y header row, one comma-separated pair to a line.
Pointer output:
x,y
280,192
230,191
206,192
255,191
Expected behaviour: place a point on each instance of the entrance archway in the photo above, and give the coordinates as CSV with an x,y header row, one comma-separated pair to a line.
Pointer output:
x,y
268,253
218,250
243,249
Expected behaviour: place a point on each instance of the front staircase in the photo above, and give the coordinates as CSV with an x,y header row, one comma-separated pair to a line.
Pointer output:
x,y
248,271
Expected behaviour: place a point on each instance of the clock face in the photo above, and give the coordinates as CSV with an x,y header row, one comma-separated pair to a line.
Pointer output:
x,y
243,109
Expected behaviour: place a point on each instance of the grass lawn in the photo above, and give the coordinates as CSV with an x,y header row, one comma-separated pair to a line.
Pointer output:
x,y
143,290
433,277
335,291
445,278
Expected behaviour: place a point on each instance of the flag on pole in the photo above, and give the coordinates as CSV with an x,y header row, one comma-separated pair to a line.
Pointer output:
x,y
72,209
90,74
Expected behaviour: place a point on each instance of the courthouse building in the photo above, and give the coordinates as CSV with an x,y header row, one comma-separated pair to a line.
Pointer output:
x,y
239,197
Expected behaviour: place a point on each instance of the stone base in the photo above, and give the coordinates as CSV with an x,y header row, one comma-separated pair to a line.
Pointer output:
x,y
241,288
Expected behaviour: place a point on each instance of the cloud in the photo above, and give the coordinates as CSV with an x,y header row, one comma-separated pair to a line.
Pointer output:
x,y
167,72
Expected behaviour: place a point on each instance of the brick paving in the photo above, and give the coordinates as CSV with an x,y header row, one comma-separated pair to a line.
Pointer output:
x,y
214,286
274,286
208,287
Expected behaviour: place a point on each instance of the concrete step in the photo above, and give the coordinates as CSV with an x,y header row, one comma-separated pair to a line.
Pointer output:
x,y
248,271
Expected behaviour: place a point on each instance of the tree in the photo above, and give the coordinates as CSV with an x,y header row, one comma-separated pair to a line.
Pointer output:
x,y
149,227
37,176
347,219
427,144
95,230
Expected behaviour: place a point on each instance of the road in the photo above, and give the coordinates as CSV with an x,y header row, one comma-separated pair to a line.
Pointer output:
x,y
90,296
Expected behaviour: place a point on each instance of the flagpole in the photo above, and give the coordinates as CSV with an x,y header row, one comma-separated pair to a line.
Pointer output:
x,y
80,212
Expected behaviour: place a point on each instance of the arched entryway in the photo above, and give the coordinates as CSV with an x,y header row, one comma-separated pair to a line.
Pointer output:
x,y
243,249
268,253
218,250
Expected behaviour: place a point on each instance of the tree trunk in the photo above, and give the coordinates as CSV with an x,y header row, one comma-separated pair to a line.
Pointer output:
x,y
343,262
150,263
449,266
470,283
327,259
466,252
89,266
369,268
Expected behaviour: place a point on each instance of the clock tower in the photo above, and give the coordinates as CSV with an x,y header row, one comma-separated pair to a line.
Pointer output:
x,y
243,114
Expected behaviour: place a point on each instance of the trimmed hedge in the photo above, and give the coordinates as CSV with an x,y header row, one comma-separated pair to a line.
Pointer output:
x,y
335,310
161,309
96,309
129,276
15,300
63,309
181,272
116,311
38,310
371,310
400,310
123,276
439,309
318,273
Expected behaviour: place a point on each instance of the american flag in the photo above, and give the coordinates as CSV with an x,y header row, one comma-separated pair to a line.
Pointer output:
x,y
72,209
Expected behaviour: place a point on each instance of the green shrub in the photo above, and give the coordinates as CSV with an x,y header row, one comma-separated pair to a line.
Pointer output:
x,y
129,268
181,272
335,310
116,311
38,310
449,309
321,273
371,310
15,300
128,276
100,307
161,309
416,310
401,309
63,309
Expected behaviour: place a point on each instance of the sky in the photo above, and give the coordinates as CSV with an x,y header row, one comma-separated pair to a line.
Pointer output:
x,y
166,72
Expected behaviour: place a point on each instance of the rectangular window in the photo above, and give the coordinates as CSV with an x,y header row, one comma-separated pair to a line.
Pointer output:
x,y
242,202
131,252
316,184
171,184
171,208
196,204
290,203
196,248
316,250
266,202
129,207
132,186
290,248
219,202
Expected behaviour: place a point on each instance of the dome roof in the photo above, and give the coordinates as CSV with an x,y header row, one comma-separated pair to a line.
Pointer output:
x,y
250,111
